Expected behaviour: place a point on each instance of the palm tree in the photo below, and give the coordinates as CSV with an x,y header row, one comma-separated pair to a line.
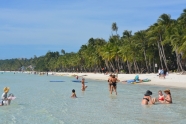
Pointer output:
x,y
141,37
126,49
164,23
114,27
63,52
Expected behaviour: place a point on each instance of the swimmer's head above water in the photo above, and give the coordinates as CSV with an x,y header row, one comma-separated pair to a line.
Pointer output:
x,y
73,91
148,93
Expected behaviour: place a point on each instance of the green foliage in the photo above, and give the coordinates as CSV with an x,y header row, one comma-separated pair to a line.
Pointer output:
x,y
163,43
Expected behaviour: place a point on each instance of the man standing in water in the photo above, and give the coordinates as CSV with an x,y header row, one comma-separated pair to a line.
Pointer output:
x,y
83,84
114,85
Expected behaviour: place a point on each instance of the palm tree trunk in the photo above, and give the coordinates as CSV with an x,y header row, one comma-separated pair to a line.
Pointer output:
x,y
179,55
128,64
137,66
177,61
163,55
154,66
118,65
111,65
106,63
146,60
117,61
160,55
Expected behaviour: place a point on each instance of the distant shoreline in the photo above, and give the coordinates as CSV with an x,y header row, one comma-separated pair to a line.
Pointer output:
x,y
172,80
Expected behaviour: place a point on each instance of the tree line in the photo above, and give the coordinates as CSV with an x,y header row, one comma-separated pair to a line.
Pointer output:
x,y
162,45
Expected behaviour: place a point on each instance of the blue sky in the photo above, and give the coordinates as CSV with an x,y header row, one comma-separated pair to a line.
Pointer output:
x,y
33,27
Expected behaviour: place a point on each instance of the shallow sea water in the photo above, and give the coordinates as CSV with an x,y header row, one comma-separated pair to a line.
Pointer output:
x,y
42,102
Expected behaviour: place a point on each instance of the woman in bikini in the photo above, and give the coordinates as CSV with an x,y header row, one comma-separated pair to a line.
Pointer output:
x,y
114,85
168,98
147,99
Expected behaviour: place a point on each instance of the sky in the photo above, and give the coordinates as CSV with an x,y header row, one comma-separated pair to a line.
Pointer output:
x,y
34,27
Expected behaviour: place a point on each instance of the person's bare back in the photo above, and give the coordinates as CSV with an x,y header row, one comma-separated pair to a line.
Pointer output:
x,y
168,98
83,84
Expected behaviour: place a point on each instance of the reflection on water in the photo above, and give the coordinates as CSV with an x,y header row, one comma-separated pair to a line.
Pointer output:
x,y
42,102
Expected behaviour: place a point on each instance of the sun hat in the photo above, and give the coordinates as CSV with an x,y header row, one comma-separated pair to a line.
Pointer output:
x,y
167,90
148,93
6,89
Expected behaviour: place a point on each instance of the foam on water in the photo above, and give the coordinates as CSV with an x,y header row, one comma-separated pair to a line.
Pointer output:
x,y
42,102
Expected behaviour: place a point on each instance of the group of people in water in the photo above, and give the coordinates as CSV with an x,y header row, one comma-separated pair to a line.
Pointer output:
x,y
147,99
83,87
112,83
165,99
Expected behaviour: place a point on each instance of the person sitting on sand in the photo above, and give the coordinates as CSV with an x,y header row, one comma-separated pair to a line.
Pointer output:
x,y
147,99
136,79
110,81
161,96
114,84
83,84
168,98
73,94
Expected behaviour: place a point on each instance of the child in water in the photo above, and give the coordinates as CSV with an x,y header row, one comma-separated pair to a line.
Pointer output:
x,y
73,94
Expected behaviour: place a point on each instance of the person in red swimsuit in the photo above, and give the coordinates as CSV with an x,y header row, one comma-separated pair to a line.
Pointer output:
x,y
161,96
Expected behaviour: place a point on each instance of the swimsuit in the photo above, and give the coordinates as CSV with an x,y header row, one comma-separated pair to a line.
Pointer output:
x,y
114,84
146,99
161,98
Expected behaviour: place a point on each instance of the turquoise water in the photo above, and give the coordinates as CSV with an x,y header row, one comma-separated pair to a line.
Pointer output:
x,y
42,102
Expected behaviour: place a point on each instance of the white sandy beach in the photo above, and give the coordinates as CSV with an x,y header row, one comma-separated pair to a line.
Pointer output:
x,y
172,80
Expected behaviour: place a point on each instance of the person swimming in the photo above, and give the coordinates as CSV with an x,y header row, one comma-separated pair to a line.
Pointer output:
x,y
147,99
73,94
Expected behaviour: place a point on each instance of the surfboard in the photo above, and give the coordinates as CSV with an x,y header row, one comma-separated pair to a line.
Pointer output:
x,y
77,81
57,81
